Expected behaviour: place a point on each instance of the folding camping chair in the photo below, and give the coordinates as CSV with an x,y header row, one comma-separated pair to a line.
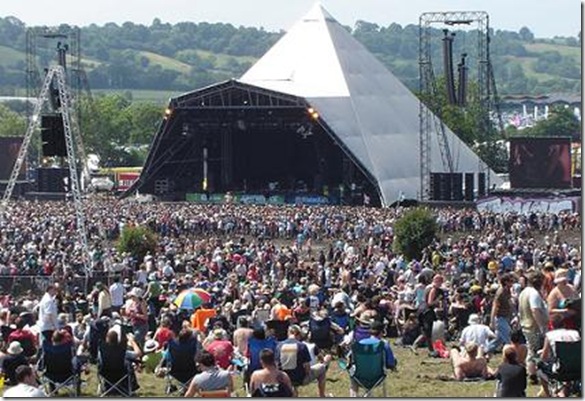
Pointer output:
x,y
367,367
57,370
114,373
181,358
566,369
222,393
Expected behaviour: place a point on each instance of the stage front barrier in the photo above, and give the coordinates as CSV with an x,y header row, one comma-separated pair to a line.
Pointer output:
x,y
19,285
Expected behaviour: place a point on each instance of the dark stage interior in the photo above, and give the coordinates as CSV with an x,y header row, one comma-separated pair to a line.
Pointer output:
x,y
252,150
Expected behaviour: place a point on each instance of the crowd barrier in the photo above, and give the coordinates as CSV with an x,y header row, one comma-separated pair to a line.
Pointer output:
x,y
20,285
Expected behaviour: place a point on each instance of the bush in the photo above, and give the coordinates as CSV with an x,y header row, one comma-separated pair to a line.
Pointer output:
x,y
137,241
413,232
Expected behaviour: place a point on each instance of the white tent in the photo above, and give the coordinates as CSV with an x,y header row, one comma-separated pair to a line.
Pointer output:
x,y
365,105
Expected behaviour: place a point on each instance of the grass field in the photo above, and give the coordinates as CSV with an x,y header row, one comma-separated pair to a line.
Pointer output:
x,y
405,382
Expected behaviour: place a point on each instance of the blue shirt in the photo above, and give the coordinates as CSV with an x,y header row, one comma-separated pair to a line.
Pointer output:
x,y
389,355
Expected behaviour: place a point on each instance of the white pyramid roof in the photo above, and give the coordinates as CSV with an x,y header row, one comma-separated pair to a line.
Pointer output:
x,y
366,106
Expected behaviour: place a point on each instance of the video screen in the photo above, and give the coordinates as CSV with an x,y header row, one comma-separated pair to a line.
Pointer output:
x,y
9,148
540,162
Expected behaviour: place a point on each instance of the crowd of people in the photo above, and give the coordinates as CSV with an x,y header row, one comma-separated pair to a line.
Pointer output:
x,y
286,290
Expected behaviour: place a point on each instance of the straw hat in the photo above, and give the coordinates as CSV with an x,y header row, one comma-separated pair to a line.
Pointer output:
x,y
150,346
14,348
135,292
561,275
473,319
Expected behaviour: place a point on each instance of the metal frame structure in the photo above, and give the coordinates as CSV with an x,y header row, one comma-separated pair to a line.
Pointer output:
x,y
56,76
428,89
230,95
74,73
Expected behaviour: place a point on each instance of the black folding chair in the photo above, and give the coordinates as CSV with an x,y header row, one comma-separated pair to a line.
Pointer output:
x,y
114,373
57,370
182,366
566,369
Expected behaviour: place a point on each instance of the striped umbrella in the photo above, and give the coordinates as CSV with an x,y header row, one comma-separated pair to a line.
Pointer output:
x,y
191,299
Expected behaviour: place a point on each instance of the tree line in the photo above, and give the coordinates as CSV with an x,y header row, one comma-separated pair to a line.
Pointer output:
x,y
185,56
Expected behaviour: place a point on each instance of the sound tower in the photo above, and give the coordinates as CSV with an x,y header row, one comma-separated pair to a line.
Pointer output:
x,y
53,135
52,180
469,186
457,186
435,186
481,185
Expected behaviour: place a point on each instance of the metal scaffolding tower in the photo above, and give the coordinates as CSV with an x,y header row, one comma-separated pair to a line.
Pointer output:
x,y
487,95
56,78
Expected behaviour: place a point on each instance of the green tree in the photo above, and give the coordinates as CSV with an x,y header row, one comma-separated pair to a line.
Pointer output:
x,y
560,122
137,241
414,231
11,123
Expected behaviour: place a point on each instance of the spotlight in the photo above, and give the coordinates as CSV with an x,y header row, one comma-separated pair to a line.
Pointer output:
x,y
313,113
168,112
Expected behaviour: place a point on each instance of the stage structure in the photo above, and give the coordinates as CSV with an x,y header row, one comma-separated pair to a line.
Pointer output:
x,y
477,58
317,114
55,80
42,43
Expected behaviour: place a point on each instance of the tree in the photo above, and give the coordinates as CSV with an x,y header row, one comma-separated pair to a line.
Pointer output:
x,y
414,231
560,122
11,123
137,241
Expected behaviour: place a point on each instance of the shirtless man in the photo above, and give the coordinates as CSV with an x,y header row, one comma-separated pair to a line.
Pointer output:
x,y
469,364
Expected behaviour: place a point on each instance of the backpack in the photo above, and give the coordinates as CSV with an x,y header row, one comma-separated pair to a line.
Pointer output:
x,y
341,319
321,332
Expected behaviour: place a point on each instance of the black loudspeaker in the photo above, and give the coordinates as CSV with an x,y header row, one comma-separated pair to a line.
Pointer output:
x,y
52,180
446,190
457,186
469,186
53,135
435,186
481,185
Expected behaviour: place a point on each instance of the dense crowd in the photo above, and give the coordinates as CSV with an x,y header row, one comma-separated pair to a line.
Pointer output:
x,y
287,289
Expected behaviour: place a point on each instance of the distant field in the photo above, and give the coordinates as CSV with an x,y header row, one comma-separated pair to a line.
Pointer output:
x,y
167,62
570,51
223,58
9,56
142,95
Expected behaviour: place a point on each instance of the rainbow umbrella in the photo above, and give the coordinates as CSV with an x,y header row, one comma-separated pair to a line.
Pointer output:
x,y
191,299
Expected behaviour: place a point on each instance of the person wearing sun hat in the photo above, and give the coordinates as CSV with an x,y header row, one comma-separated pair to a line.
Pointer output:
x,y
12,360
559,296
151,356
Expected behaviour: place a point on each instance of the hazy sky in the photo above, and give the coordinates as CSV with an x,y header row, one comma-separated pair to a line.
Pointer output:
x,y
546,18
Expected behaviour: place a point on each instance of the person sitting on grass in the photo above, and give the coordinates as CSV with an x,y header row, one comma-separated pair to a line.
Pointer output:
x,y
270,381
470,364
27,384
511,375
295,360
211,378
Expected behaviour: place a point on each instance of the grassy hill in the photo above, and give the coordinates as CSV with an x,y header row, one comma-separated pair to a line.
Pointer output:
x,y
9,57
166,62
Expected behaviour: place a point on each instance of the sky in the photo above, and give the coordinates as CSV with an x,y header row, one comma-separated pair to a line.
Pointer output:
x,y
545,18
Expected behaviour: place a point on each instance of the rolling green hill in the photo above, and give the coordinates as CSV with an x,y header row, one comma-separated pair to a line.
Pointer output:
x,y
177,58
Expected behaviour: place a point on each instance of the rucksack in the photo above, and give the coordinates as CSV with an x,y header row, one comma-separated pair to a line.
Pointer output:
x,y
320,331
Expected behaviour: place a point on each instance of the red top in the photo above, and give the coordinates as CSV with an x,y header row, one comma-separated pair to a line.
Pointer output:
x,y
223,351
163,336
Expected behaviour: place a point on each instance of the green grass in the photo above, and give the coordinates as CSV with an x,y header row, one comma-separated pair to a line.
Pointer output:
x,y
142,95
9,56
405,382
223,58
563,50
166,62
